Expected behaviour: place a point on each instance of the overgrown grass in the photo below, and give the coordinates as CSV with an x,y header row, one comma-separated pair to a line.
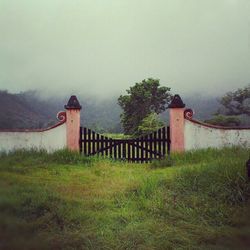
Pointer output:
x,y
26,160
117,136
66,201
162,163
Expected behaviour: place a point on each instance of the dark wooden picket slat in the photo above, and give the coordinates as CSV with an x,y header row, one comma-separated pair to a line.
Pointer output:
x,y
115,150
84,139
168,140
137,149
146,146
97,143
110,149
102,144
151,146
159,145
80,140
129,152
119,151
107,144
124,145
164,141
142,149
133,154
89,145
155,142
94,142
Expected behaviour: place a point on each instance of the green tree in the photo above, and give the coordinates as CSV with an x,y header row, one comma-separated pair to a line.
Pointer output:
x,y
237,102
142,99
150,124
234,105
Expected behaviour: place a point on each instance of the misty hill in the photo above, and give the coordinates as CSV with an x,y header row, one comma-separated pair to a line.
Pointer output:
x,y
22,110
28,110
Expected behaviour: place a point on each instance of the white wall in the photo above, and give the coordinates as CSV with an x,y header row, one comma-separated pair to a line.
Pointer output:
x,y
51,140
198,136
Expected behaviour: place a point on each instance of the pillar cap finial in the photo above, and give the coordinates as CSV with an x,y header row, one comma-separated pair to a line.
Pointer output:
x,y
176,102
73,103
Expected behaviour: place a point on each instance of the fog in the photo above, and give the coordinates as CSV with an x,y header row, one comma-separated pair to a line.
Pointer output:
x,y
97,47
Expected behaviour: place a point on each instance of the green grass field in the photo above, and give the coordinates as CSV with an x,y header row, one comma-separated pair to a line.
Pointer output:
x,y
65,201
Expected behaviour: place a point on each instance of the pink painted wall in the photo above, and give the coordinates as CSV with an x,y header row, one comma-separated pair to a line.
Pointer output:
x,y
73,128
176,116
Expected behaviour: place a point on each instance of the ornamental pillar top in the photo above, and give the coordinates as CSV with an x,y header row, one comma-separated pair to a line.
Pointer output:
x,y
73,103
176,102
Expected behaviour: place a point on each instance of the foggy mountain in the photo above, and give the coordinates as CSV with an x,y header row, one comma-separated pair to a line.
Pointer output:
x,y
23,110
28,110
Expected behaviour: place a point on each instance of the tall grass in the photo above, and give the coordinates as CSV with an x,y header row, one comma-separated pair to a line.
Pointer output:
x,y
36,157
53,201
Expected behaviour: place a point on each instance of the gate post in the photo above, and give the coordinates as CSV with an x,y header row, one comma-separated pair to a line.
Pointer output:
x,y
73,109
176,117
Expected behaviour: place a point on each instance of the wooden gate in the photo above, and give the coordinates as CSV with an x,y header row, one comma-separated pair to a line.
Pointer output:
x,y
141,149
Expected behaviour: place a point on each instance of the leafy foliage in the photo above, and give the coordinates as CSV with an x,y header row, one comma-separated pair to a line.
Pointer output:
x,y
238,102
150,124
235,109
142,99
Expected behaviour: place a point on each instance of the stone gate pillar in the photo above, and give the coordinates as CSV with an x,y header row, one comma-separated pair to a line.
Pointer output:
x,y
73,109
176,117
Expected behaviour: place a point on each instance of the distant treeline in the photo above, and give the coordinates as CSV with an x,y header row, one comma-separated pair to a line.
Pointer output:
x,y
29,110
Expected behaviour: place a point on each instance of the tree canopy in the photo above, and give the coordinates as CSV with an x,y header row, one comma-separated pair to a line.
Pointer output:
x,y
237,102
150,124
234,105
141,100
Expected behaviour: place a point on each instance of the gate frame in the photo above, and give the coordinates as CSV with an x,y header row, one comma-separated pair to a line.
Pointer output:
x,y
176,116
144,148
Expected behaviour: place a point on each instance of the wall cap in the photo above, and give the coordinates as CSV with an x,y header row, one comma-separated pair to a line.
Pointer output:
x,y
73,103
176,102
188,115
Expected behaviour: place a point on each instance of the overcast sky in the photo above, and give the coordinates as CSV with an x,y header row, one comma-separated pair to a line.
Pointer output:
x,y
104,46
